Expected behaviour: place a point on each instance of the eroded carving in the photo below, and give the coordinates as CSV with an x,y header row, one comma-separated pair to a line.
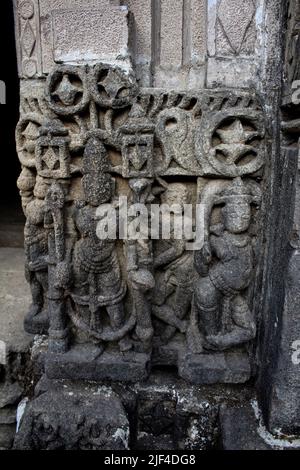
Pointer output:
x,y
221,317
113,306
231,143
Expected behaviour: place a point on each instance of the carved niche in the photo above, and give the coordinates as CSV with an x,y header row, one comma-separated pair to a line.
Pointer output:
x,y
114,308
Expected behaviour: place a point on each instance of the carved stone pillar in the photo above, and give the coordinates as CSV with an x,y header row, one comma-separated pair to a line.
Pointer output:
x,y
171,114
279,380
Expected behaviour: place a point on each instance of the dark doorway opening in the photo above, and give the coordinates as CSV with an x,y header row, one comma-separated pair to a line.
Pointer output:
x,y
11,215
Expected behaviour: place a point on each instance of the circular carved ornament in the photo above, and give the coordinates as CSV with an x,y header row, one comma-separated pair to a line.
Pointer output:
x,y
29,68
111,87
27,10
240,150
66,90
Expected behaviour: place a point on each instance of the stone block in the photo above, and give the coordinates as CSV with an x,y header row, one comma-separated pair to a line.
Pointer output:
x,y
214,368
235,72
10,394
196,425
76,418
232,27
98,32
8,416
284,404
239,430
85,36
171,33
141,38
83,363
7,435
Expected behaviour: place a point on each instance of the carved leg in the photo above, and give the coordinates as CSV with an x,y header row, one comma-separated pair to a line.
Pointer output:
x,y
167,314
144,328
37,294
182,304
204,315
194,337
117,316
58,331
207,300
243,330
95,323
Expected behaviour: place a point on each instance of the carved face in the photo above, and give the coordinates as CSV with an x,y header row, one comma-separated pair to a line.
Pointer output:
x,y
237,217
41,188
175,194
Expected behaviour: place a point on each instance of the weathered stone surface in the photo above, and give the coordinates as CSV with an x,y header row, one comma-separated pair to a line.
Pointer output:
x,y
7,434
171,45
278,377
214,368
44,29
10,394
141,40
8,416
95,35
149,290
235,27
239,430
85,363
114,308
74,419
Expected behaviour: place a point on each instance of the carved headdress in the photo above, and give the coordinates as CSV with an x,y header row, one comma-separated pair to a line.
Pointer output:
x,y
237,192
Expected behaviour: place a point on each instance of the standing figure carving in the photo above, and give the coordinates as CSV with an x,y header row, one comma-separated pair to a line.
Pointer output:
x,y
225,265
140,269
174,269
36,252
98,287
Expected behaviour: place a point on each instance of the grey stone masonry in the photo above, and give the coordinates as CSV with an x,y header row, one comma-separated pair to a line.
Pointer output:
x,y
186,103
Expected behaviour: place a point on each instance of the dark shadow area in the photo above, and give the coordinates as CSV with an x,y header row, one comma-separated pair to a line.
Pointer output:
x,y
11,215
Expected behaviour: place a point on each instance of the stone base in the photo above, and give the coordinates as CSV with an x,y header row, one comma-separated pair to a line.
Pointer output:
x,y
242,429
239,430
82,363
215,368
74,417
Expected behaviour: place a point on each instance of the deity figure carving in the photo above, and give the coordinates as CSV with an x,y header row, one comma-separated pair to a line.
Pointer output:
x,y
174,270
58,268
113,306
225,265
140,269
97,285
36,252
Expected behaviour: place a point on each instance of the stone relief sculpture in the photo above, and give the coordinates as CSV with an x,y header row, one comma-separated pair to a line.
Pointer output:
x,y
145,114
221,315
174,268
97,282
139,267
113,307
36,252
